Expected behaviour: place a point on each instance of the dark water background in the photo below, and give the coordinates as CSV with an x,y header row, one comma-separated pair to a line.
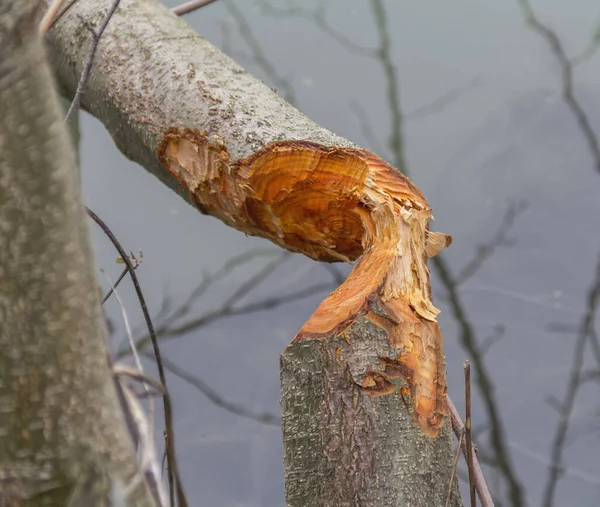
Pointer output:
x,y
495,119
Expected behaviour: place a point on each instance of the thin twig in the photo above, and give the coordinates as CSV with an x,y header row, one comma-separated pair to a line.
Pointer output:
x,y
586,329
567,79
481,486
208,280
217,399
486,250
62,13
123,370
144,424
496,334
595,345
111,290
173,474
440,103
384,55
146,451
590,50
318,16
559,327
454,465
587,477
258,306
367,128
260,57
87,69
49,16
134,352
191,6
245,288
484,382
467,368
172,326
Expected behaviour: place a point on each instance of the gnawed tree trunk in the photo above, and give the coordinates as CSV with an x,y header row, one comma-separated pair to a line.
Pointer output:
x,y
63,440
345,448
363,383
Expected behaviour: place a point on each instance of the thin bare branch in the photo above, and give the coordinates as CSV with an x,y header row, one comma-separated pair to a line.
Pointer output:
x,y
366,127
255,280
217,399
481,487
319,17
171,326
567,79
87,69
123,370
439,104
135,263
496,334
595,345
174,478
221,313
384,55
485,251
191,6
62,13
208,281
590,376
453,474
483,380
146,450
565,408
589,52
134,352
49,16
111,290
281,83
262,305
467,368
586,477
564,328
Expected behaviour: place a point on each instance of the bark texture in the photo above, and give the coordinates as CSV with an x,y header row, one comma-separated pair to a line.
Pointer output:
x,y
153,72
237,151
63,439
344,447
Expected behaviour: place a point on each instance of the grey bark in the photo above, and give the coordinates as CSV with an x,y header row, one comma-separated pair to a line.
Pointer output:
x,y
345,448
62,434
152,72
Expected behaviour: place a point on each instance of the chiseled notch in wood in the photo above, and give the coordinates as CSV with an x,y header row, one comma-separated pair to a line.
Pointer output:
x,y
335,204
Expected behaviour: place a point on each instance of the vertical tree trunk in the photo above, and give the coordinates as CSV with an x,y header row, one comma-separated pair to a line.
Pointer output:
x,y
344,447
62,434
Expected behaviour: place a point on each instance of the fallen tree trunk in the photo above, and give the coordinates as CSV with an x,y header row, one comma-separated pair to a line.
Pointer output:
x,y
363,383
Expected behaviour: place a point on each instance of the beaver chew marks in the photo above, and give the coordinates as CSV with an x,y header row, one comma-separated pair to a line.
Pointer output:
x,y
335,204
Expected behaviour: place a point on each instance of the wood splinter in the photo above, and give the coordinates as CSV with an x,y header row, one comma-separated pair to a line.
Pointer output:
x,y
335,204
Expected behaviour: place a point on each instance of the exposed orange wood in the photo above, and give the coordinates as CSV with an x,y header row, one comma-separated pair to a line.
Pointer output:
x,y
336,204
